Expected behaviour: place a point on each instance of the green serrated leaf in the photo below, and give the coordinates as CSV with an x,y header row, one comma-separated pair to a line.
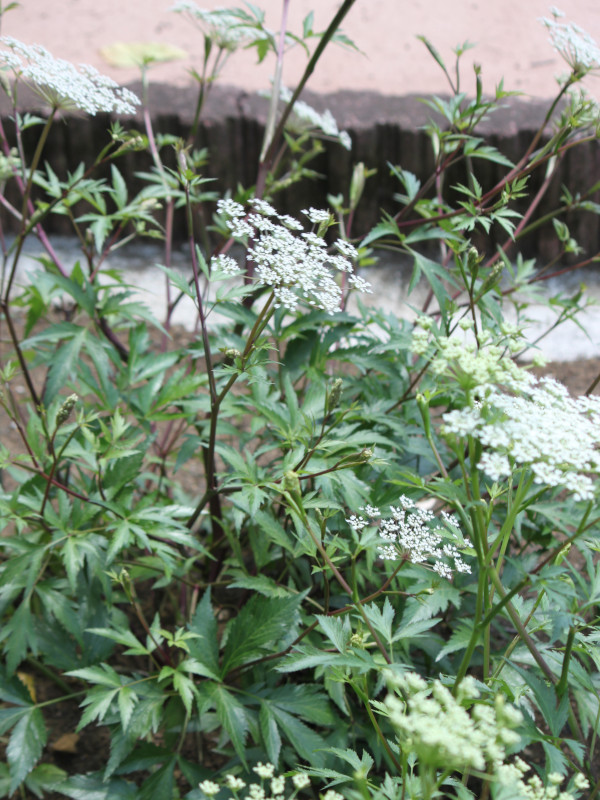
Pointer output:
x,y
20,636
119,187
263,621
120,472
25,746
44,778
337,630
161,783
64,362
94,787
232,716
307,743
270,733
205,649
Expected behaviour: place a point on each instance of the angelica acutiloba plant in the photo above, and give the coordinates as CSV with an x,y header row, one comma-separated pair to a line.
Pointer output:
x,y
363,493
451,734
511,443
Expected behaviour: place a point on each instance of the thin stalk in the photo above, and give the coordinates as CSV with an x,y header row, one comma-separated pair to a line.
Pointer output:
x,y
55,462
537,656
363,694
527,215
516,639
526,638
209,451
339,577
562,685
48,673
265,162
4,307
26,197
478,534
275,91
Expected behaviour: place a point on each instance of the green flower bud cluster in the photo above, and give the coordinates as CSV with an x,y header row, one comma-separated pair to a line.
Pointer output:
x,y
437,726
9,164
64,412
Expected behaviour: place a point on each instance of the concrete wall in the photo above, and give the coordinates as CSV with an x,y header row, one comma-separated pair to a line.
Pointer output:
x,y
383,129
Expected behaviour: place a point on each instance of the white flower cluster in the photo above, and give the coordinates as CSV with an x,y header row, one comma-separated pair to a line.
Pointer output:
x,y
557,436
570,41
413,532
475,366
435,725
291,264
227,28
62,84
306,116
275,789
512,775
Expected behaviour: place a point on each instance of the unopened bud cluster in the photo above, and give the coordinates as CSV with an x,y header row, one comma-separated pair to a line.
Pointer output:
x,y
435,724
64,412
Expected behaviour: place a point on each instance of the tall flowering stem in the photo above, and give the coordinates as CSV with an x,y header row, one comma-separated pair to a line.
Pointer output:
x,y
270,127
26,201
266,160
211,493
293,496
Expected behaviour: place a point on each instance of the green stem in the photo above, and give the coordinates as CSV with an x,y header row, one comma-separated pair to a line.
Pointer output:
x,y
297,505
562,685
276,89
48,673
517,638
265,162
26,196
364,696
537,656
55,462
528,641
209,451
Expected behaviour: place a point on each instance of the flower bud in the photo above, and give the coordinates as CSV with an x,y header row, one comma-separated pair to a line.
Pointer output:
x,y
334,395
291,482
357,185
423,406
64,412
473,260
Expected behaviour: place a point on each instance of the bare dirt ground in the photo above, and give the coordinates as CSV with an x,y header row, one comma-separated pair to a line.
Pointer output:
x,y
509,40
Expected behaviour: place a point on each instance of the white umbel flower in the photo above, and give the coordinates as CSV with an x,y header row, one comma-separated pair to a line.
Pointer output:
x,y
210,788
62,84
296,264
576,46
305,117
227,29
264,771
543,428
414,533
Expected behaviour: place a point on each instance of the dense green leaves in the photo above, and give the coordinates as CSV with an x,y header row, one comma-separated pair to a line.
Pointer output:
x,y
256,540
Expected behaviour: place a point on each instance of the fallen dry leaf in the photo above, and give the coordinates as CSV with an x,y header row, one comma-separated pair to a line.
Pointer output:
x,y
67,743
